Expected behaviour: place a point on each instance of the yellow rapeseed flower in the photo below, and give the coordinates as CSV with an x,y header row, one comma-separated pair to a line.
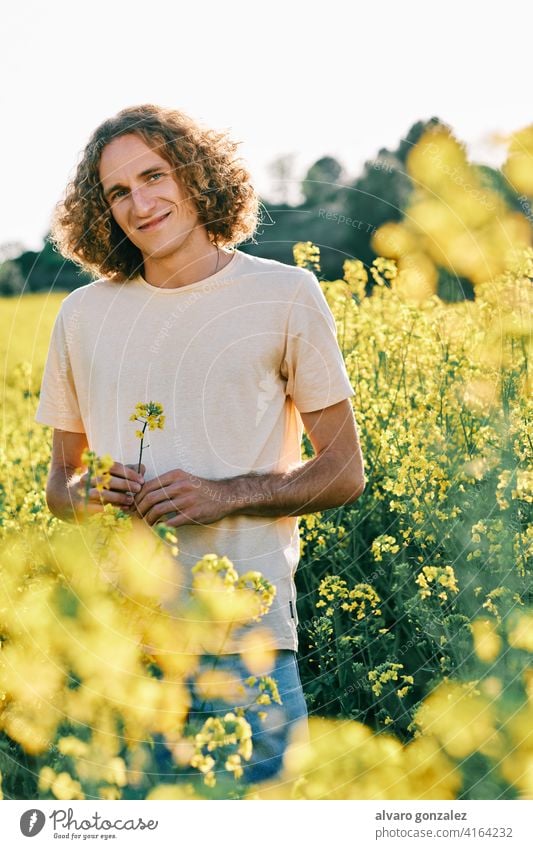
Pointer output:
x,y
306,254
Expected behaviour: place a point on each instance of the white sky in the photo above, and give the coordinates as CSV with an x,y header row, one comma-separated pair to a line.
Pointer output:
x,y
313,78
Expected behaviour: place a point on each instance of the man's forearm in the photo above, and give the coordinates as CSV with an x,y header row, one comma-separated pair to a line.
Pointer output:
x,y
317,484
61,497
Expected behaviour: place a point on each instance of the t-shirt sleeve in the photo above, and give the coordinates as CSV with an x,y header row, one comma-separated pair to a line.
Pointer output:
x,y
58,403
313,365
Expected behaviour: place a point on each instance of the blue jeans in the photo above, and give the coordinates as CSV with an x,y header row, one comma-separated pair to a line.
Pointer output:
x,y
270,735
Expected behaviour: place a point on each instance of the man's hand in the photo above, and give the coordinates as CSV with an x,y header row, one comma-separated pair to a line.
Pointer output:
x,y
186,498
66,489
124,484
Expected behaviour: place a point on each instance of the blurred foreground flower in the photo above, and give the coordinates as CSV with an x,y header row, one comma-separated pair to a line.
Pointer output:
x,y
345,760
98,468
98,643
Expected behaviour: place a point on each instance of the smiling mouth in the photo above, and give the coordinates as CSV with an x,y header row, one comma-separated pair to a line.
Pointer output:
x,y
152,224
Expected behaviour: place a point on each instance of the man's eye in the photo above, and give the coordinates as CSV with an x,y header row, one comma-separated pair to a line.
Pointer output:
x,y
117,194
155,176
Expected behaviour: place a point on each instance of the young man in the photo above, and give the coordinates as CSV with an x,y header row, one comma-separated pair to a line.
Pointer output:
x,y
240,351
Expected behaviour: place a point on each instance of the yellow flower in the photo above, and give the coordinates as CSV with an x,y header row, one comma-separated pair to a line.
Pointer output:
x,y
487,643
150,414
356,277
116,772
432,578
219,684
72,746
233,764
108,791
521,633
361,600
65,787
384,673
461,719
47,777
98,467
204,763
306,254
383,268
384,544
210,779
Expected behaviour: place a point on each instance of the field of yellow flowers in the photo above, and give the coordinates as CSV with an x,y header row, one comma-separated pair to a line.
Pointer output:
x,y
415,602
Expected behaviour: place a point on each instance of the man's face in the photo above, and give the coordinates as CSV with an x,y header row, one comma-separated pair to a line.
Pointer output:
x,y
145,197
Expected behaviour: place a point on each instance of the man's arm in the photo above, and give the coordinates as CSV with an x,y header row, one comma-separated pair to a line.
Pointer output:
x,y
65,490
333,477
67,448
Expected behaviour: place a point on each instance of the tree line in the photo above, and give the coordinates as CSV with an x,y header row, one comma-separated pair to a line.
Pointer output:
x,y
337,213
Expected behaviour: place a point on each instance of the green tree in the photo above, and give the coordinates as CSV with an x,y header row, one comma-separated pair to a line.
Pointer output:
x,y
11,278
320,184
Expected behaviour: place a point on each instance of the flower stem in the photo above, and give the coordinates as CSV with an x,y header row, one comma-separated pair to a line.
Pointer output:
x,y
141,451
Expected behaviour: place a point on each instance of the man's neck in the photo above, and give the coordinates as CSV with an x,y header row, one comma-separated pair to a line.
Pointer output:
x,y
175,271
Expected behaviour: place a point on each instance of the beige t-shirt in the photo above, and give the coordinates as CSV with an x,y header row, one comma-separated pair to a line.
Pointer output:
x,y
233,359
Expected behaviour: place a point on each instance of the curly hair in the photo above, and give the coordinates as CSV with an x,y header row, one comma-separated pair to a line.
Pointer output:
x,y
83,228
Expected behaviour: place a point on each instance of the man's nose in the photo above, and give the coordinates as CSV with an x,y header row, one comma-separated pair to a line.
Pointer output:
x,y
142,200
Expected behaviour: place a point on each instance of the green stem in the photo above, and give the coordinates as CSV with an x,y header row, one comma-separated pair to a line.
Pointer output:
x,y
90,471
141,451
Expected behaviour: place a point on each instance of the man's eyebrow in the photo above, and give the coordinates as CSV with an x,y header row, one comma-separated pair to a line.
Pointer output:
x,y
152,170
